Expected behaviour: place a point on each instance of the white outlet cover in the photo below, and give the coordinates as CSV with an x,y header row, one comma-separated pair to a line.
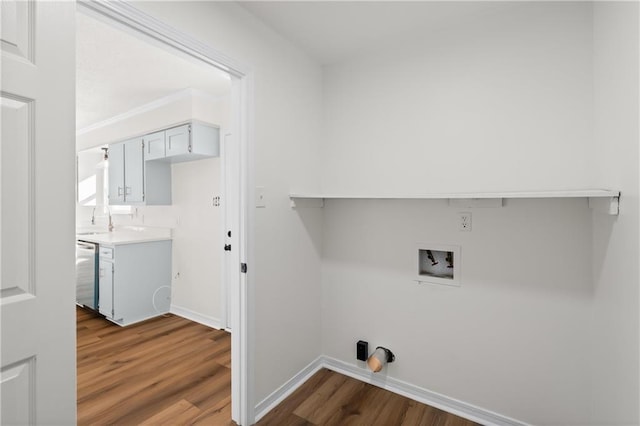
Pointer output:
x,y
464,221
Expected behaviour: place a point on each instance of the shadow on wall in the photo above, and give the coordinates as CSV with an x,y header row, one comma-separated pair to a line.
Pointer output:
x,y
603,228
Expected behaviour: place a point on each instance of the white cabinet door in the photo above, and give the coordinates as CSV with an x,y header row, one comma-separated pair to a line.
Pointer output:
x,y
37,150
133,171
193,141
116,173
154,146
126,172
105,289
178,140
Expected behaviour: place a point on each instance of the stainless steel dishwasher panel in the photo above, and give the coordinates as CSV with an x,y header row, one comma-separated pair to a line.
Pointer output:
x,y
86,274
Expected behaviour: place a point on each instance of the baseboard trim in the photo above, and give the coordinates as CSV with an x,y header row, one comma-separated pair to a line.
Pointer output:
x,y
443,402
425,396
280,394
196,317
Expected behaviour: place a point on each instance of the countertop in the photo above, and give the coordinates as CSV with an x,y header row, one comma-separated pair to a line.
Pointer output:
x,y
124,236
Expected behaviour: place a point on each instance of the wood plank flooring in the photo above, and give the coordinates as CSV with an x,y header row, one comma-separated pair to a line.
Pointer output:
x,y
167,370
329,398
171,371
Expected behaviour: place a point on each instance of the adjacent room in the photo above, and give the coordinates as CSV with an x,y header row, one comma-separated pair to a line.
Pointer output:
x,y
150,284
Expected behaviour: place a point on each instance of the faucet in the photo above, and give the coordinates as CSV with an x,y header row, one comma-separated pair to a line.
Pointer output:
x,y
93,216
110,222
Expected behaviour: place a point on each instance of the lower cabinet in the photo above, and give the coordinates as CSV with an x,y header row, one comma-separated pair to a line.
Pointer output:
x,y
134,281
105,290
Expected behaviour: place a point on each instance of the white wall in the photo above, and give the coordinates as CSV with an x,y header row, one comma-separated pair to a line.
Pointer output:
x,y
500,101
287,112
197,238
616,254
503,101
512,339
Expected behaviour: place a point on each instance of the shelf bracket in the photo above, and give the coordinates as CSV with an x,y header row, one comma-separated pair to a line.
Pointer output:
x,y
298,202
607,205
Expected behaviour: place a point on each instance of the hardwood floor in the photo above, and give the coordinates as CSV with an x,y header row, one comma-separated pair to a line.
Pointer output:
x,y
329,398
167,370
171,371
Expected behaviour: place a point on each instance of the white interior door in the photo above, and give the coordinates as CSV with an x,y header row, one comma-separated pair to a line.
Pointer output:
x,y
37,152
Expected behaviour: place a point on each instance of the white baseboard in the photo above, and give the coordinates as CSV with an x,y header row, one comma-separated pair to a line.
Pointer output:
x,y
196,317
280,394
425,396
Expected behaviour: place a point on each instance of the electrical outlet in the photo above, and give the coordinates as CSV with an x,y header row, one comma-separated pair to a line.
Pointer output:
x,y
362,350
464,222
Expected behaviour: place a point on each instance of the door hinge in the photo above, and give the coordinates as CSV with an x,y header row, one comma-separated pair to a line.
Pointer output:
x,y
243,268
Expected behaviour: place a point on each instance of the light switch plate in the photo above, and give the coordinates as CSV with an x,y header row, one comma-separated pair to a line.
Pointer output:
x,y
261,200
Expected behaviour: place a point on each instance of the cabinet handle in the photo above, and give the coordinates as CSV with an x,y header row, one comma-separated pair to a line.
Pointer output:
x,y
119,191
127,190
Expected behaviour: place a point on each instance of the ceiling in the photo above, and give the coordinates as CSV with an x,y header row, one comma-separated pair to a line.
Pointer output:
x,y
331,31
117,72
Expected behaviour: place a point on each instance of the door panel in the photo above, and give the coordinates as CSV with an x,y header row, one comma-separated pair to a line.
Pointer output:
x,y
116,173
37,245
133,171
105,288
177,140
154,146
17,190
17,28
18,393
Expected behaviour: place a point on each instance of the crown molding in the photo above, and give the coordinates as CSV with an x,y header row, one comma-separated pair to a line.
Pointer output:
x,y
153,105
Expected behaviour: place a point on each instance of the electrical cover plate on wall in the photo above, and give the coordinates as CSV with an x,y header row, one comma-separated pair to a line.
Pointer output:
x,y
438,264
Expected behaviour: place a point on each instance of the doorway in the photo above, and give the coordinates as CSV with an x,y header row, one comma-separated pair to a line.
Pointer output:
x,y
234,188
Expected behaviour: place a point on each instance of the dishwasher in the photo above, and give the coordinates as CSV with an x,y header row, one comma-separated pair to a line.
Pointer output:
x,y
87,274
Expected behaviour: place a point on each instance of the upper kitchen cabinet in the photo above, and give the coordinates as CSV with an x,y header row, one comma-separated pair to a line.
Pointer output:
x,y
140,168
188,142
126,169
154,145
131,181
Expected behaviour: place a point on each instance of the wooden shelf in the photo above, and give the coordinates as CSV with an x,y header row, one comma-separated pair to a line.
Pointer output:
x,y
600,199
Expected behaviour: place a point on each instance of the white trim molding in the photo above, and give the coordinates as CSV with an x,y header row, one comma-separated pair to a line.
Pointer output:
x,y
280,394
425,396
195,316
189,93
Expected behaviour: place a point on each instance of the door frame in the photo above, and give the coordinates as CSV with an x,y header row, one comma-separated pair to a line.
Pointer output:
x,y
128,18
